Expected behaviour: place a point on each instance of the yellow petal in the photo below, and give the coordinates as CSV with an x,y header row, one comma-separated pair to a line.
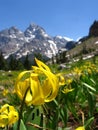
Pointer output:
x,y
21,87
52,83
20,76
3,120
4,109
80,128
28,98
36,89
12,117
47,88
66,90
42,65
5,92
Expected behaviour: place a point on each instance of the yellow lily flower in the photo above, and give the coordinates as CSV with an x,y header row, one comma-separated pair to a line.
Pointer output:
x,y
61,79
8,115
51,84
67,90
33,85
80,128
39,91
5,92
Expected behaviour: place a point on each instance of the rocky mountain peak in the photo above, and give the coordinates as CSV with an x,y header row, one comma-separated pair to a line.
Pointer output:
x,y
35,32
10,31
33,40
14,30
34,27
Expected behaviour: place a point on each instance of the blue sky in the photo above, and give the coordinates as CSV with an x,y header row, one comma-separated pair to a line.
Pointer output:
x,y
70,18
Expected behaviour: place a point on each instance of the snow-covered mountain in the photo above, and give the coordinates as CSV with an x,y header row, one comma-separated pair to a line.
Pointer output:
x,y
33,40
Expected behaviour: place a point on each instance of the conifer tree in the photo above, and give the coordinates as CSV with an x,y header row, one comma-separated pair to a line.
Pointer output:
x,y
20,65
12,63
3,62
27,63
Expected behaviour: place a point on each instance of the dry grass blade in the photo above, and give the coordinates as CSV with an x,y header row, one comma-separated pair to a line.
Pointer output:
x,y
37,126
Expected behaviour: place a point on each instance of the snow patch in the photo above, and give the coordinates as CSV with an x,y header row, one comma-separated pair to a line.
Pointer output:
x,y
25,53
34,29
21,38
40,48
60,37
78,39
96,42
18,55
44,34
87,57
53,47
20,32
17,45
48,53
29,38
50,41
44,44
29,31
68,39
12,36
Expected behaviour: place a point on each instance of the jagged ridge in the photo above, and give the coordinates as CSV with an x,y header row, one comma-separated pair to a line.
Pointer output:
x,y
33,40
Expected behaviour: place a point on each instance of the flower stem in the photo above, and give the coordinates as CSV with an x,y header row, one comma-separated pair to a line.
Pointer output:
x,y
21,109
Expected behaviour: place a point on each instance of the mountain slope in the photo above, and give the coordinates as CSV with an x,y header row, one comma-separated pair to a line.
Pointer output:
x,y
89,46
33,40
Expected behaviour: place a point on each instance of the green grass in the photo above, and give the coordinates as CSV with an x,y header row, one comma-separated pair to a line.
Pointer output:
x,y
83,98
7,78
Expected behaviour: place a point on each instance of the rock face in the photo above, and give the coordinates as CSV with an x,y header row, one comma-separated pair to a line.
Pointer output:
x,y
93,31
33,40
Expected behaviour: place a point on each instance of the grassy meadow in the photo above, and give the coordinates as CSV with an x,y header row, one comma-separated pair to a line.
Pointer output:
x,y
74,108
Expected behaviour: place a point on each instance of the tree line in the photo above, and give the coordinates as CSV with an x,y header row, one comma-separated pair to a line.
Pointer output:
x,y
16,64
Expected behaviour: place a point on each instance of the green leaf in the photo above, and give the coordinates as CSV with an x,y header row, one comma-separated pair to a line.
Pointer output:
x,y
91,103
15,126
72,109
64,114
22,125
88,86
88,122
93,81
35,117
56,102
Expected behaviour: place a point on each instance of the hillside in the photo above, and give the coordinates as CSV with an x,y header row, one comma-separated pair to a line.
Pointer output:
x,y
88,45
85,48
